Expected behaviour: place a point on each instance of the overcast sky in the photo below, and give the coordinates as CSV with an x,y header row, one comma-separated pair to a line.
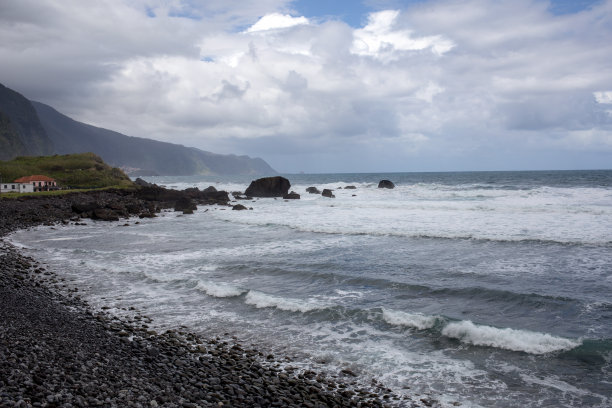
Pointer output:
x,y
322,86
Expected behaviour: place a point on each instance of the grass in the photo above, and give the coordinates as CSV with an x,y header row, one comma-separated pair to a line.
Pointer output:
x,y
71,171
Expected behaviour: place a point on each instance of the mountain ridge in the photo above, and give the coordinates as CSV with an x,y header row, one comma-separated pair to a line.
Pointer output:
x,y
60,134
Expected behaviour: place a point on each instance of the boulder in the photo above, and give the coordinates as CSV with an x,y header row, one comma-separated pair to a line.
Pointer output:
x,y
328,193
350,188
140,182
239,207
268,187
184,204
386,184
291,196
313,190
81,205
210,189
104,214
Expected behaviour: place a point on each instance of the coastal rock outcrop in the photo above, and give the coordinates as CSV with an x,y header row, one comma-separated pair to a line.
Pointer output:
x,y
186,205
350,188
313,190
386,184
238,207
328,193
140,182
268,187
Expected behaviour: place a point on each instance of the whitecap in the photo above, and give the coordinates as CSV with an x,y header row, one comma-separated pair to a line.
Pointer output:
x,y
262,300
220,290
508,339
415,320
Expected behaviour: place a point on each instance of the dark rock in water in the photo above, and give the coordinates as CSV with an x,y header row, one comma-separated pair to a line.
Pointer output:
x,y
313,190
386,184
350,188
328,193
142,183
210,189
238,207
268,187
105,214
188,211
292,196
184,204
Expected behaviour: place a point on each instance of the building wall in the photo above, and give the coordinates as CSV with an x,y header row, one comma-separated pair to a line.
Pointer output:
x,y
16,188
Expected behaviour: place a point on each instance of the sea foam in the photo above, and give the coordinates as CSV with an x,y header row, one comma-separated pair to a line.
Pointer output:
x,y
415,320
261,300
219,290
508,339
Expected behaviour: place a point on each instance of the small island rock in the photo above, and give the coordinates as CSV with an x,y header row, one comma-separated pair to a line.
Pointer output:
x,y
313,190
328,193
386,184
268,187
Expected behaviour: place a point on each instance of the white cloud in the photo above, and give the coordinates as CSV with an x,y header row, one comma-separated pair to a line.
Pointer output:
x,y
380,39
603,97
275,21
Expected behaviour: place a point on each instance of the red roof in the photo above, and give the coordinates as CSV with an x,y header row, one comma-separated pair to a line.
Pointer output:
x,y
36,177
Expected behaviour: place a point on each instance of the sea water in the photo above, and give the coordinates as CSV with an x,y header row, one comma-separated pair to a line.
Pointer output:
x,y
480,289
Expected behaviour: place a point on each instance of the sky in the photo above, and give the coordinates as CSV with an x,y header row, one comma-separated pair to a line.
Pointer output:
x,y
320,86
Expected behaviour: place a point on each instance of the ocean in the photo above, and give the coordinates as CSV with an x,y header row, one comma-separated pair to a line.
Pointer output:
x,y
483,289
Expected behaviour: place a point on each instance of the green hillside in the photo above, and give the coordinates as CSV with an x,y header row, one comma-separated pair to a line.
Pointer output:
x,y
83,170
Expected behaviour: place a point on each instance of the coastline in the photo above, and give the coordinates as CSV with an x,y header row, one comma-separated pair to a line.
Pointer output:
x,y
56,351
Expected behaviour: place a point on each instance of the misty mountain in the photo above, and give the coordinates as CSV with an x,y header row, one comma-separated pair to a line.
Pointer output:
x,y
33,128
21,132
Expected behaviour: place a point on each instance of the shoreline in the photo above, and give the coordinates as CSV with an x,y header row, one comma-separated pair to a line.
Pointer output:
x,y
56,351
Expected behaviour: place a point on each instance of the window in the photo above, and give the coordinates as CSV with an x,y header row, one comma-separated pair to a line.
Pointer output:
x,y
13,186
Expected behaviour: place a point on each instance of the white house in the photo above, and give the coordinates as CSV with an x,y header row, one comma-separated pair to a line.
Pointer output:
x,y
16,188
38,182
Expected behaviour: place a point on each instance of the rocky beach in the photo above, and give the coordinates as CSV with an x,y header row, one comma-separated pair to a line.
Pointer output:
x,y
57,351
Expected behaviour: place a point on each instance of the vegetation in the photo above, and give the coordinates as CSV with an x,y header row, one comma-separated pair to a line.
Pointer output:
x,y
71,171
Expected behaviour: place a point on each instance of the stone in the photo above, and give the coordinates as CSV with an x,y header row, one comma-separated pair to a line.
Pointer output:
x,y
350,188
105,214
239,207
386,184
313,190
140,182
185,204
328,193
291,196
268,187
210,189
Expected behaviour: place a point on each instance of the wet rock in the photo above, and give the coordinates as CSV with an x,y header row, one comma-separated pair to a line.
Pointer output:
x,y
386,184
239,207
291,196
328,193
268,187
140,182
105,214
313,190
185,204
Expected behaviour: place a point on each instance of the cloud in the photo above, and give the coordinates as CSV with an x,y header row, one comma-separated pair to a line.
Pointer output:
x,y
379,39
445,84
275,21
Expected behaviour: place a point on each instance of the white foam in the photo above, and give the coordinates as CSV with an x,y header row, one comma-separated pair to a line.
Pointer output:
x,y
415,320
508,339
220,290
262,300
